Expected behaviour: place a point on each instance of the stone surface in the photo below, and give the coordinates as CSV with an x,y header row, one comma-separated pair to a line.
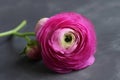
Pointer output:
x,y
105,14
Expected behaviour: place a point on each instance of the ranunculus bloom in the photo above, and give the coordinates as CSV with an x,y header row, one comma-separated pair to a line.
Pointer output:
x,y
68,42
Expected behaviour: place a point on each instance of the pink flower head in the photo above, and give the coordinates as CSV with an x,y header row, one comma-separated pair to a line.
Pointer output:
x,y
68,42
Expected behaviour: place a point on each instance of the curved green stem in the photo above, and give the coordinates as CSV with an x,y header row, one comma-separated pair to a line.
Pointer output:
x,y
24,34
20,26
27,39
7,33
16,33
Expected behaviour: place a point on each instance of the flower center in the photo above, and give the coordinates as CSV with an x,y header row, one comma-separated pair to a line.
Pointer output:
x,y
64,40
68,38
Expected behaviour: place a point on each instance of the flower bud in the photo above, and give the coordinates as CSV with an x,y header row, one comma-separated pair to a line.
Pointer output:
x,y
33,51
40,23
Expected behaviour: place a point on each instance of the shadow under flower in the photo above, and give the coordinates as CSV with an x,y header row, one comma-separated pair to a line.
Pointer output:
x,y
22,63
33,67
6,39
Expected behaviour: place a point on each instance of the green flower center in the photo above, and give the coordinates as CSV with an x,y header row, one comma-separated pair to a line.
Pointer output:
x,y
68,38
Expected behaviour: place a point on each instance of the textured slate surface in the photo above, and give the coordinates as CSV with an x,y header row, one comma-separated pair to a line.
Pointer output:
x,y
105,15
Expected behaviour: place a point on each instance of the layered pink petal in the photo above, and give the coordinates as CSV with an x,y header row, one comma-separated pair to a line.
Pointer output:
x,y
61,56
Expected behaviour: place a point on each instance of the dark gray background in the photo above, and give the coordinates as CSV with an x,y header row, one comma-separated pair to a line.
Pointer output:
x,y
105,15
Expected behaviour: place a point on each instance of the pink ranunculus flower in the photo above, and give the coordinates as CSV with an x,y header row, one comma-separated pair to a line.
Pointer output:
x,y
68,42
